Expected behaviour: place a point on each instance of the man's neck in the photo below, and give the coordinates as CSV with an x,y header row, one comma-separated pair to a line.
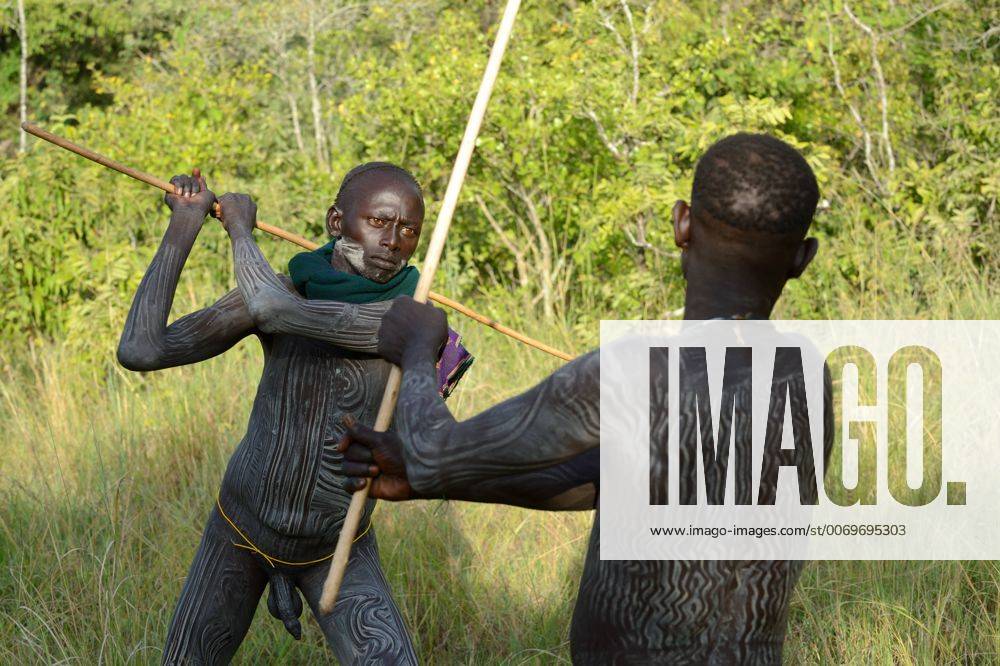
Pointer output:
x,y
724,303
716,291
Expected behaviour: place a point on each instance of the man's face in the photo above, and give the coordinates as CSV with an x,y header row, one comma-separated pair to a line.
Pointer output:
x,y
379,225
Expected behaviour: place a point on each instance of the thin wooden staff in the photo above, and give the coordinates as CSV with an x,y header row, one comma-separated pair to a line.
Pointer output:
x,y
338,566
280,233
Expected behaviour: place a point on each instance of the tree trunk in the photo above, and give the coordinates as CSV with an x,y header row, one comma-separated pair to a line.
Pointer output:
x,y
23,34
317,108
640,240
543,251
296,127
520,262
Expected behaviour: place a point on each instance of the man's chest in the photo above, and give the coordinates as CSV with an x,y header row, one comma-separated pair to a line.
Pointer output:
x,y
305,381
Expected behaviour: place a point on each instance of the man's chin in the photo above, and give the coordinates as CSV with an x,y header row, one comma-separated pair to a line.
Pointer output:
x,y
380,274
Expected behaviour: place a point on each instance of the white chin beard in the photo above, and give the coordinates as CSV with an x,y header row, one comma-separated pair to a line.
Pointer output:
x,y
354,254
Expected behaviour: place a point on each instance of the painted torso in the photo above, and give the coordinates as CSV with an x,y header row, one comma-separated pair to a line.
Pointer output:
x,y
285,472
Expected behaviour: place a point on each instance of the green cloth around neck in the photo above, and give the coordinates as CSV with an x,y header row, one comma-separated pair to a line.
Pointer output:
x,y
316,279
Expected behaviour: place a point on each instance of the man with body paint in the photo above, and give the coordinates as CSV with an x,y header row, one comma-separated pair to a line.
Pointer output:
x,y
742,238
282,500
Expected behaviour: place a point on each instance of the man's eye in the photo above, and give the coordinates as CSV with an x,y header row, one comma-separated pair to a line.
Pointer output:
x,y
409,232
376,221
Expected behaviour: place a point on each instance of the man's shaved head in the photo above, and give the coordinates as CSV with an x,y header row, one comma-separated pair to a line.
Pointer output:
x,y
360,173
744,234
377,217
755,182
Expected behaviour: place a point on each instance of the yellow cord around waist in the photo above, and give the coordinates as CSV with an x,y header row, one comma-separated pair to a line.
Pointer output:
x,y
251,546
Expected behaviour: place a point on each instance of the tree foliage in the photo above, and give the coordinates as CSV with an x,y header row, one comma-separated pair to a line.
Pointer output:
x,y
600,113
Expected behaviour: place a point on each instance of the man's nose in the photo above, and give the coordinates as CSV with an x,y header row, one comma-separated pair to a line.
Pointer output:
x,y
390,239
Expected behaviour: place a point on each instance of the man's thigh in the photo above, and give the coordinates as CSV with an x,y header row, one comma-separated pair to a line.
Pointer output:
x,y
365,626
217,602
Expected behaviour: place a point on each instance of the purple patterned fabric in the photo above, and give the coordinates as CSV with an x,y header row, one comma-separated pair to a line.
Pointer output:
x,y
452,363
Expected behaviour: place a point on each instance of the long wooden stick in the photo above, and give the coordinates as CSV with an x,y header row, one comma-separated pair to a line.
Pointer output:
x,y
281,233
350,527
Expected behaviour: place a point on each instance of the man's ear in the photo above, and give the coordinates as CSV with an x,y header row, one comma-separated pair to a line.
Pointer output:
x,y
682,224
333,220
803,255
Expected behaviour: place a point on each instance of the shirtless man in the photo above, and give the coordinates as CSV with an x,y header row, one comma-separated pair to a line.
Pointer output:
x,y
282,501
742,238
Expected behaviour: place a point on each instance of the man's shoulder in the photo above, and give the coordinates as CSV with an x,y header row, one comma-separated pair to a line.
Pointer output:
x,y
581,371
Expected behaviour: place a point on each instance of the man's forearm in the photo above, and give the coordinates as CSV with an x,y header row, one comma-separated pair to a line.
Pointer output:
x,y
424,424
144,334
537,449
571,485
277,309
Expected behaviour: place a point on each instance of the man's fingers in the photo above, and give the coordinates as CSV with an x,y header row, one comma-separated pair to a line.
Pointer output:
x,y
178,183
342,443
354,484
385,488
359,469
362,434
358,453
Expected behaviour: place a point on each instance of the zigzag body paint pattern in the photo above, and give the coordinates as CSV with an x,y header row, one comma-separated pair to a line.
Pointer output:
x,y
539,450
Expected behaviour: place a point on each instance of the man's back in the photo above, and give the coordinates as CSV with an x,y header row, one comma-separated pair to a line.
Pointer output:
x,y
680,611
688,611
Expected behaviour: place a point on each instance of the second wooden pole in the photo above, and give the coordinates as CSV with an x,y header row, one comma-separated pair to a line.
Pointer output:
x,y
331,587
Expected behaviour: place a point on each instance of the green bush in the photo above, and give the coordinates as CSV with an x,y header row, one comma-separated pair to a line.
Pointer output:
x,y
593,131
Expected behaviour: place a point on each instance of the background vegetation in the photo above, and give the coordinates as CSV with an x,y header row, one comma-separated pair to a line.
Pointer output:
x,y
601,110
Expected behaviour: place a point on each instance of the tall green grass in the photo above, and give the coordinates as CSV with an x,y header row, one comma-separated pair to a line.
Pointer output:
x,y
106,481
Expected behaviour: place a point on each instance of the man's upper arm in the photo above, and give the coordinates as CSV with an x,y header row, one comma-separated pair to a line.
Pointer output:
x,y
350,326
275,308
194,337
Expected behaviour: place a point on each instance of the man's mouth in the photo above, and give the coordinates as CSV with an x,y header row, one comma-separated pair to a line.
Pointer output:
x,y
383,262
